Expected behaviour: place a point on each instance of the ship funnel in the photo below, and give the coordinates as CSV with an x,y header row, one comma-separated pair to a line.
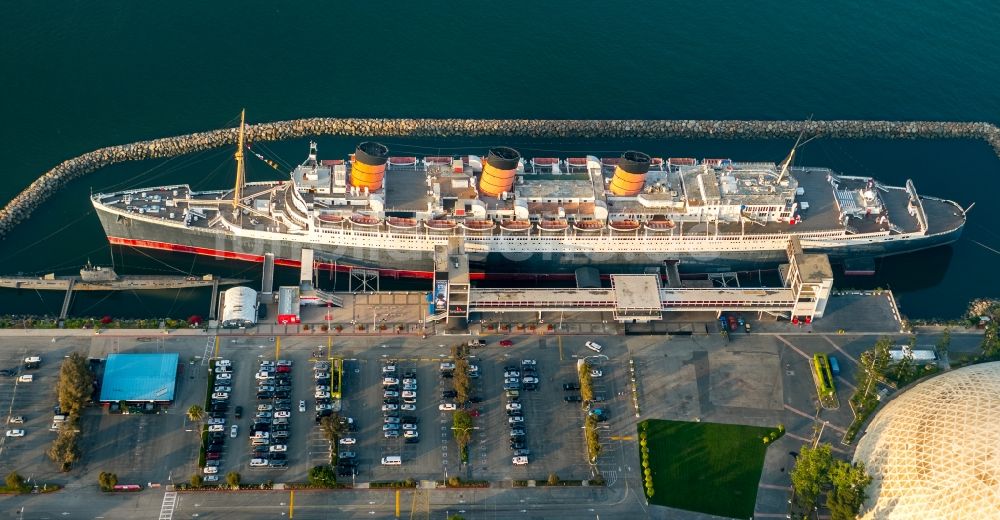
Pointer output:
x,y
499,171
368,169
630,174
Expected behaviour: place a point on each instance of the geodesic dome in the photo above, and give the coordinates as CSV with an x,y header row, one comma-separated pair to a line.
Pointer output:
x,y
934,451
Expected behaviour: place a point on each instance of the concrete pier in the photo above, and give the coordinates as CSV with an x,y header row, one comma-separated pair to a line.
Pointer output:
x,y
21,207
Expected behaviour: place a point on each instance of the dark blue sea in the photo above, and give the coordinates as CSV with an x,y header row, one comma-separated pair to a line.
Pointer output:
x,y
75,76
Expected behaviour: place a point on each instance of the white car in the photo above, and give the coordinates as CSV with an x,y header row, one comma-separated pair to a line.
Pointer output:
x,y
16,419
409,393
210,470
447,366
511,380
223,363
520,461
27,378
265,407
15,433
409,381
408,407
282,413
302,406
222,389
217,428
528,362
217,420
512,373
447,407
323,406
258,463
593,346
596,373
211,478
410,434
529,380
221,396
513,406
234,430
322,375
410,427
390,393
389,369
262,375
347,441
322,395
410,386
517,419
322,388
392,420
278,447
390,407
223,377
284,363
386,381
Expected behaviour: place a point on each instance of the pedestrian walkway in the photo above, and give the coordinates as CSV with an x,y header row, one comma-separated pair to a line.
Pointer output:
x,y
168,505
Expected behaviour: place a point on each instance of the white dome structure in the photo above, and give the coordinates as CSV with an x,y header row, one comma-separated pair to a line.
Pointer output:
x,y
934,451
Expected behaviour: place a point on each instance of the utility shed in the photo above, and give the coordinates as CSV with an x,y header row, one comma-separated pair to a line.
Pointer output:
x,y
288,305
239,307
139,378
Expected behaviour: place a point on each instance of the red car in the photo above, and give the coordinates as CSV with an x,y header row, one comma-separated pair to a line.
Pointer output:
x,y
506,343
284,369
732,323
474,413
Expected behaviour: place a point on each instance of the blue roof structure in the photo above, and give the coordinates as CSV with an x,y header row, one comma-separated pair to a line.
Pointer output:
x,y
139,378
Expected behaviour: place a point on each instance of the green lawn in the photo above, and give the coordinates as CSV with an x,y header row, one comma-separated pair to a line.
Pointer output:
x,y
705,467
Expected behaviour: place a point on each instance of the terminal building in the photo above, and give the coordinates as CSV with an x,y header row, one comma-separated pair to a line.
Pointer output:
x,y
239,308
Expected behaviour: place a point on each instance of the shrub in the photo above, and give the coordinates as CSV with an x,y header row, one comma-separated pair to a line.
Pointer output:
x,y
197,481
553,479
323,476
107,481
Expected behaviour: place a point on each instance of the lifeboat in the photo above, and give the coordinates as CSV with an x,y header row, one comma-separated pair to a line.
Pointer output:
x,y
610,161
402,161
660,225
553,225
544,161
442,225
478,225
576,162
401,223
437,160
656,162
682,161
332,219
515,225
623,225
365,220
588,225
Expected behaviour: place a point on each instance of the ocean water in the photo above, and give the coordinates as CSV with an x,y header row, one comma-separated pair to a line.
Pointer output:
x,y
77,76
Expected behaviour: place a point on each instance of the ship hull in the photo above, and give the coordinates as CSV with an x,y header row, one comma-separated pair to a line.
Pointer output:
x,y
419,264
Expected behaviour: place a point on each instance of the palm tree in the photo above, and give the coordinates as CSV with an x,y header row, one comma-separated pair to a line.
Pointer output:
x,y
195,413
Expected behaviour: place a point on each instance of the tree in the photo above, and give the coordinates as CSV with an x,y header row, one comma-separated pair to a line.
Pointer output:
x,y
461,429
195,413
322,476
849,483
991,340
461,380
15,482
586,383
333,427
809,477
233,479
593,442
65,449
456,517
76,384
905,369
107,481
197,481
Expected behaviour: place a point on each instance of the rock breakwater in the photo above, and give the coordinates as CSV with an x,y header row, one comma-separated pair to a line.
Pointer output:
x,y
21,207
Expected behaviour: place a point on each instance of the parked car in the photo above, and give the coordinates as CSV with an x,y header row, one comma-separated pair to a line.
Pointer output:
x,y
263,375
223,377
520,461
16,419
234,430
265,407
408,407
596,373
278,447
512,373
217,420
447,407
449,394
593,346
447,365
389,381
223,389
513,406
258,463
530,380
390,407
506,343
409,427
411,434
15,433
282,414
216,428
348,441
389,369
302,406
573,399
210,470
571,386
517,432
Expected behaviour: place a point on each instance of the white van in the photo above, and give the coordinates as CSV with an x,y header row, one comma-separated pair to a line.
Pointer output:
x,y
392,460
593,346
27,378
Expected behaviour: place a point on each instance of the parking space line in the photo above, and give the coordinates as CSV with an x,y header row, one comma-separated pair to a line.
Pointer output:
x,y
168,505
277,348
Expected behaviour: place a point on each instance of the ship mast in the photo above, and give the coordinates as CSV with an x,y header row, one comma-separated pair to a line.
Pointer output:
x,y
240,168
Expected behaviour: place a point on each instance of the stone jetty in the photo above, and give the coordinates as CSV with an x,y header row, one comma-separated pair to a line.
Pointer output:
x,y
21,207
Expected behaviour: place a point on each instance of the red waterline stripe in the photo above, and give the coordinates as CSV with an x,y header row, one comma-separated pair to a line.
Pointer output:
x,y
395,273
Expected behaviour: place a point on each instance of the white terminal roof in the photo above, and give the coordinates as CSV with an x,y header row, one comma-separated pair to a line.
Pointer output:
x,y
239,305
637,291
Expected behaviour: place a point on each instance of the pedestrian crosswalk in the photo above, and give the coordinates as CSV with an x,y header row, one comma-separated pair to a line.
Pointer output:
x,y
168,505
610,477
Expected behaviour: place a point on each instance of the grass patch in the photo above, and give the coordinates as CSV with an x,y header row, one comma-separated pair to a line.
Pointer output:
x,y
705,467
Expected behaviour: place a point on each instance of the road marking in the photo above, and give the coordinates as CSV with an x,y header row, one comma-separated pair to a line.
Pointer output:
x,y
216,347
560,348
277,348
811,418
622,438
770,515
610,477
842,351
773,486
167,507
291,503
793,347
397,503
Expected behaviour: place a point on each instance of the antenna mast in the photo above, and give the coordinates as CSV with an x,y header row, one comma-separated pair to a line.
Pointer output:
x,y
787,163
240,169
